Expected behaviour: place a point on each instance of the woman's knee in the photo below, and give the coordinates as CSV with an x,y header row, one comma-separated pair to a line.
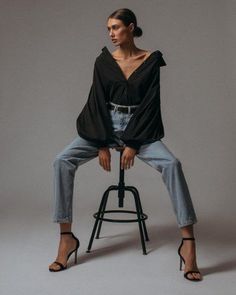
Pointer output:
x,y
60,159
174,161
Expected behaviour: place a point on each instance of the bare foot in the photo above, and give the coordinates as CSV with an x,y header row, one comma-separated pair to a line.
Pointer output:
x,y
188,251
67,244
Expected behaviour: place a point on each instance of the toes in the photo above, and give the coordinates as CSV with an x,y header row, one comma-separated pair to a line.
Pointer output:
x,y
195,276
190,276
54,266
198,276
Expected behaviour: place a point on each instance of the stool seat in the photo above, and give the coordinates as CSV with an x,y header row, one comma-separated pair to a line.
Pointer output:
x,y
119,148
121,188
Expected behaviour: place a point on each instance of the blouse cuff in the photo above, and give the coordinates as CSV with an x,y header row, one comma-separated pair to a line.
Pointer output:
x,y
133,145
102,145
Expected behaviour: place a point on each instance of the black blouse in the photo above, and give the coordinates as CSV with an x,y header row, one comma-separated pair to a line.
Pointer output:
x,y
109,84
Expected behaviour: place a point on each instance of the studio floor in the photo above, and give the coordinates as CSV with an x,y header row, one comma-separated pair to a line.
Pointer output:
x,y
116,264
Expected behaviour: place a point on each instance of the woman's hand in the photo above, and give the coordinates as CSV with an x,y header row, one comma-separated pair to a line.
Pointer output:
x,y
127,159
105,158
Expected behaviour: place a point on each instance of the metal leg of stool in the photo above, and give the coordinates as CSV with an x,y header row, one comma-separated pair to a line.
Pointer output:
x,y
141,211
136,196
102,214
104,200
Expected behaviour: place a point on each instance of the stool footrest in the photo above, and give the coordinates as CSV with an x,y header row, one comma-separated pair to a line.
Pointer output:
x,y
143,216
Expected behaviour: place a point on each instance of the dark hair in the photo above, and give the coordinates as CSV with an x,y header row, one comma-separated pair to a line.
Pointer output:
x,y
127,16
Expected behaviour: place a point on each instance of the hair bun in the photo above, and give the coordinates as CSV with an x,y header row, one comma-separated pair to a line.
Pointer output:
x,y
137,32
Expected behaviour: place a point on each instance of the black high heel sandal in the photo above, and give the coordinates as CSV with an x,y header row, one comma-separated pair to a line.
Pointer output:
x,y
182,260
62,267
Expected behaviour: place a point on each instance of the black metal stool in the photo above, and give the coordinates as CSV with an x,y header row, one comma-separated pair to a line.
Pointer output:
x,y
121,187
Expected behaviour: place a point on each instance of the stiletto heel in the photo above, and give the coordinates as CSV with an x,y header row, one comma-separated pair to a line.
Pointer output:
x,y
76,256
180,264
62,267
182,260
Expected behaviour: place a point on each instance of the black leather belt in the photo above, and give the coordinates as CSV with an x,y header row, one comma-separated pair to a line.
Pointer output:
x,y
123,109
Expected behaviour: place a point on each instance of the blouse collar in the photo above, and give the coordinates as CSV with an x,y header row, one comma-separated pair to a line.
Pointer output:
x,y
155,55
106,52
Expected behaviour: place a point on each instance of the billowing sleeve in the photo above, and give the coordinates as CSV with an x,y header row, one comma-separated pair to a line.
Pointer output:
x,y
146,125
94,122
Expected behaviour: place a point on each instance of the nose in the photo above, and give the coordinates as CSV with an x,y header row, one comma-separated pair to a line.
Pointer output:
x,y
111,33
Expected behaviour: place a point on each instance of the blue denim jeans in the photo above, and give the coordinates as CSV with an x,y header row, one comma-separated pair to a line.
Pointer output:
x,y
155,154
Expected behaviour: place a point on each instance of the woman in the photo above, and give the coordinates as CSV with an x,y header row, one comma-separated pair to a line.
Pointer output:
x,y
123,110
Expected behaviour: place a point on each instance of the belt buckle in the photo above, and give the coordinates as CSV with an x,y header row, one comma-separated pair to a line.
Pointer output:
x,y
115,108
125,110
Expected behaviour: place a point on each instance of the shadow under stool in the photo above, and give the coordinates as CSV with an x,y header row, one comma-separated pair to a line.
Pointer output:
x,y
121,188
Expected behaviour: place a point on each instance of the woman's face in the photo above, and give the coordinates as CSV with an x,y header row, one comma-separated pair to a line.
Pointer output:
x,y
118,32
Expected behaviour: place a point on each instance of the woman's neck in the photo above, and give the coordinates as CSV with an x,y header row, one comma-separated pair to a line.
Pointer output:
x,y
127,51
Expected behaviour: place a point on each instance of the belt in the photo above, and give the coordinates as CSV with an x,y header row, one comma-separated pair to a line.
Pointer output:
x,y
122,108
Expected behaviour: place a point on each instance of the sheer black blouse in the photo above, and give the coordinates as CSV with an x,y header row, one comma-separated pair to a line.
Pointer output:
x,y
109,84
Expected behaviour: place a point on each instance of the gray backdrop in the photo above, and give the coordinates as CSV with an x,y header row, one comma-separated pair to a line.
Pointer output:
x,y
48,49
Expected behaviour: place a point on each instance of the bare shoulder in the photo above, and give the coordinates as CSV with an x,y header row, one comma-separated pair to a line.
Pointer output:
x,y
147,52
143,54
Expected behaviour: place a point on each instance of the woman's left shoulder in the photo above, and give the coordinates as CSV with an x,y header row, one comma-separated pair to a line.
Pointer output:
x,y
156,52
159,55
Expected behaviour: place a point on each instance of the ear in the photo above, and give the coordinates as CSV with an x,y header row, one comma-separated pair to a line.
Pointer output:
x,y
131,27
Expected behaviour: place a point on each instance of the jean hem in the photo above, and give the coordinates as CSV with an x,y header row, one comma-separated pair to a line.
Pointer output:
x,y
62,220
187,223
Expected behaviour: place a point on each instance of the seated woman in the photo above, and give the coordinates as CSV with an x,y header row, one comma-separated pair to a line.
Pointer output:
x,y
123,110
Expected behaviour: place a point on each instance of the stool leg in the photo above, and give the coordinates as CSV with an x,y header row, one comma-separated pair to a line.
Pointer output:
x,y
137,203
121,184
102,214
104,198
143,221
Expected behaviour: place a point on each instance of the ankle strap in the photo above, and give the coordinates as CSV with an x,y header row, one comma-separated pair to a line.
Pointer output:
x,y
66,232
188,239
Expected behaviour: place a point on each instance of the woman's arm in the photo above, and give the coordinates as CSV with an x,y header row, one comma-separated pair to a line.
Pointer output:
x,y
94,122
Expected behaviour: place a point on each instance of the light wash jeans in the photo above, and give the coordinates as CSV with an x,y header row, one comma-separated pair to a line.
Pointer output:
x,y
155,154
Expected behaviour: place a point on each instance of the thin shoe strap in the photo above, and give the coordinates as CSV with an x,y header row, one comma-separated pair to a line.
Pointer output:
x,y
66,232
188,239
60,264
